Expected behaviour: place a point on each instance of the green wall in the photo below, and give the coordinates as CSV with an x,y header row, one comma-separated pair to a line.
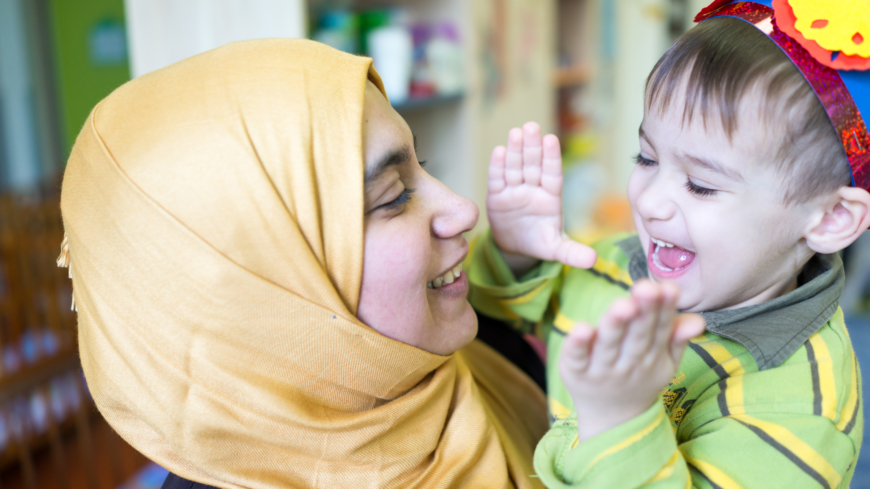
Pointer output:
x,y
90,57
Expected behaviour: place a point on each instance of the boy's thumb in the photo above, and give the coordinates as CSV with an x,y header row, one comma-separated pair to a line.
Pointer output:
x,y
575,254
687,326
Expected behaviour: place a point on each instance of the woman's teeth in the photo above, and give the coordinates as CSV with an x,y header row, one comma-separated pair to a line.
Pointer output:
x,y
447,278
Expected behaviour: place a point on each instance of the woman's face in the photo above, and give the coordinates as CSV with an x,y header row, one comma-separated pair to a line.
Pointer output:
x,y
413,237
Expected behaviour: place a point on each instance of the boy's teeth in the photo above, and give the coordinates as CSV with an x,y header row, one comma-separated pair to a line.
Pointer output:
x,y
662,243
447,278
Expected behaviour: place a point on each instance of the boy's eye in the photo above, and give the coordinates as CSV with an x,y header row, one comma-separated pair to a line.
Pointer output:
x,y
698,190
401,200
640,160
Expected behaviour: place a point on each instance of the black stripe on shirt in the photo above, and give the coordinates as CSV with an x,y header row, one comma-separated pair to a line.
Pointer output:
x,y
814,371
788,454
723,402
851,424
709,360
712,484
609,279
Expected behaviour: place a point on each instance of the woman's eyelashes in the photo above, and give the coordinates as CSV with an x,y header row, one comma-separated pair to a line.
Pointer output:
x,y
400,201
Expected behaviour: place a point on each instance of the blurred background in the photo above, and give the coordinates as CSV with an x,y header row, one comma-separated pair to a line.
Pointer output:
x,y
461,72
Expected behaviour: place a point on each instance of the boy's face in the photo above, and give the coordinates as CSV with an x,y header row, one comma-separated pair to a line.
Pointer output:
x,y
719,203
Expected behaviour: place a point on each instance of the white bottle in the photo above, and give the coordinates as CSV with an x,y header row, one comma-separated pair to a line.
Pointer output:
x,y
446,60
391,49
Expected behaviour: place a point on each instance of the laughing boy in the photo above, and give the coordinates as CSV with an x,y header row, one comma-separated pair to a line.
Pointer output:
x,y
753,172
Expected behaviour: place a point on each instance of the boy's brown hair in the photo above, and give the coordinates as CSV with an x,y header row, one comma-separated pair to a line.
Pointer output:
x,y
723,59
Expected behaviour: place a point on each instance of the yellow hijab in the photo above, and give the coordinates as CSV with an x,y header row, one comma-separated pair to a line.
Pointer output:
x,y
214,213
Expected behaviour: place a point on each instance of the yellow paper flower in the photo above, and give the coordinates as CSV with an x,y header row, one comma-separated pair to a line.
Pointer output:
x,y
837,25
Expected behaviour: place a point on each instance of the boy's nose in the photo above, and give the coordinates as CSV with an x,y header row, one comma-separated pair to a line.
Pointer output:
x,y
654,202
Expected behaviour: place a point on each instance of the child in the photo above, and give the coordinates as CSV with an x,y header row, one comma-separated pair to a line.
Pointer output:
x,y
742,196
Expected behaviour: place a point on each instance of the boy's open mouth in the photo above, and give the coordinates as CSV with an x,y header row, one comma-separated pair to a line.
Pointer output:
x,y
668,257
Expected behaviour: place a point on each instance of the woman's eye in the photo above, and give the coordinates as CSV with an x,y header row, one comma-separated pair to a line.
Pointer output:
x,y
401,200
641,161
698,190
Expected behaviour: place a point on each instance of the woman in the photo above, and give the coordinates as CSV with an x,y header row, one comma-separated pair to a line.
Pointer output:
x,y
256,257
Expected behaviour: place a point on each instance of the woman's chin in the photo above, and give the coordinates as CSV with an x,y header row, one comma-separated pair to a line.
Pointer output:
x,y
456,331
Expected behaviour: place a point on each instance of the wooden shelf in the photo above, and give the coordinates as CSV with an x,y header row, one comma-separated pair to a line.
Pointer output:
x,y
416,103
567,76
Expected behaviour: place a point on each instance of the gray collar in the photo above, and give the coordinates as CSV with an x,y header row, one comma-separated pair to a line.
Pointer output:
x,y
772,331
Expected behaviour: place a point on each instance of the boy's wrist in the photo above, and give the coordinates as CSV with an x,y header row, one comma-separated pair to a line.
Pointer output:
x,y
593,422
519,264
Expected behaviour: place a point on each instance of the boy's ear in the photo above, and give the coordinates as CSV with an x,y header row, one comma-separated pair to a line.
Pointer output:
x,y
841,224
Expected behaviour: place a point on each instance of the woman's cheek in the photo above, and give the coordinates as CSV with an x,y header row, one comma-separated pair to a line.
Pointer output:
x,y
393,293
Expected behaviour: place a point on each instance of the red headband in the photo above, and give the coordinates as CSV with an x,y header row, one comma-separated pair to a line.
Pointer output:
x,y
841,93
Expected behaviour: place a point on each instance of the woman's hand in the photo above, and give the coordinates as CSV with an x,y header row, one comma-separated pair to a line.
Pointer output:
x,y
615,372
524,202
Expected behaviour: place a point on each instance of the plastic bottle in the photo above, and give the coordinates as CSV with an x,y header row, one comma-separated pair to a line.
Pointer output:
x,y
444,53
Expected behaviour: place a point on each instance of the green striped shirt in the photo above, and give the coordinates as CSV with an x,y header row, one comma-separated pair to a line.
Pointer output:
x,y
769,396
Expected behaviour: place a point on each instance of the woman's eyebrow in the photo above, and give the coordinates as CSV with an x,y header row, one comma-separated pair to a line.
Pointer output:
x,y
394,157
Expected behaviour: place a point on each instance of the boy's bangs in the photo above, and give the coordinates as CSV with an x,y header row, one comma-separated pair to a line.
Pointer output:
x,y
717,63
714,68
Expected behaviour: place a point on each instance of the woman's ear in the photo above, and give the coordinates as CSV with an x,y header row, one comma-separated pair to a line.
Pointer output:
x,y
841,224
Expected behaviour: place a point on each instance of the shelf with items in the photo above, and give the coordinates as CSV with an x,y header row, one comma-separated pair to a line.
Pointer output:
x,y
569,76
433,101
499,56
593,205
420,60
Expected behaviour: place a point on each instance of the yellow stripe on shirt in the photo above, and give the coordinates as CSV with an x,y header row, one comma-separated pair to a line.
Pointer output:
x,y
734,395
524,297
667,470
849,412
613,271
795,449
712,473
563,323
827,382
723,357
631,439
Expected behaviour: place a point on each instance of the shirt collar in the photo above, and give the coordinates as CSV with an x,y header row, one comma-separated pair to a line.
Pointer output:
x,y
772,331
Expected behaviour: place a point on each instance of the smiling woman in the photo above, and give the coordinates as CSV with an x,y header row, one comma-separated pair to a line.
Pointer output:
x,y
413,223
256,313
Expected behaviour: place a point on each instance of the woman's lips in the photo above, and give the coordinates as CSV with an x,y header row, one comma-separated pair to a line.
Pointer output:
x,y
459,288
668,262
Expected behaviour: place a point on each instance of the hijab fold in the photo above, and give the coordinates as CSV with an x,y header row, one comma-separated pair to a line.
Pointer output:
x,y
214,214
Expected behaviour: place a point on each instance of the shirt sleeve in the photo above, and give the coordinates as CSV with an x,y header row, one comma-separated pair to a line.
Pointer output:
x,y
735,451
495,292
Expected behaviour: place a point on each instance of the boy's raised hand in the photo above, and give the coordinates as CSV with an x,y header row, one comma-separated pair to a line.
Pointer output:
x,y
524,202
615,372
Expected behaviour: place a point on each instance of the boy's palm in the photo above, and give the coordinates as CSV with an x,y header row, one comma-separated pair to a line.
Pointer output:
x,y
524,202
616,371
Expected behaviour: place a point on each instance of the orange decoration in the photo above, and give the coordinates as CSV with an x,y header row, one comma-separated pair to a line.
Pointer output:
x,y
836,59
846,23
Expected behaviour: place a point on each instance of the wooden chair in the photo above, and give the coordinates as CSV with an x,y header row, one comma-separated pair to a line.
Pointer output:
x,y
51,435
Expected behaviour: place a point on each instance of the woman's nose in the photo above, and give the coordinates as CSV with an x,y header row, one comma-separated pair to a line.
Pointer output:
x,y
454,215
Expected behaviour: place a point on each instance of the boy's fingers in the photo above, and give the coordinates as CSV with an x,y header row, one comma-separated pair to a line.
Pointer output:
x,y
551,167
611,330
496,182
532,153
514,157
639,336
575,353
688,326
667,316
574,254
